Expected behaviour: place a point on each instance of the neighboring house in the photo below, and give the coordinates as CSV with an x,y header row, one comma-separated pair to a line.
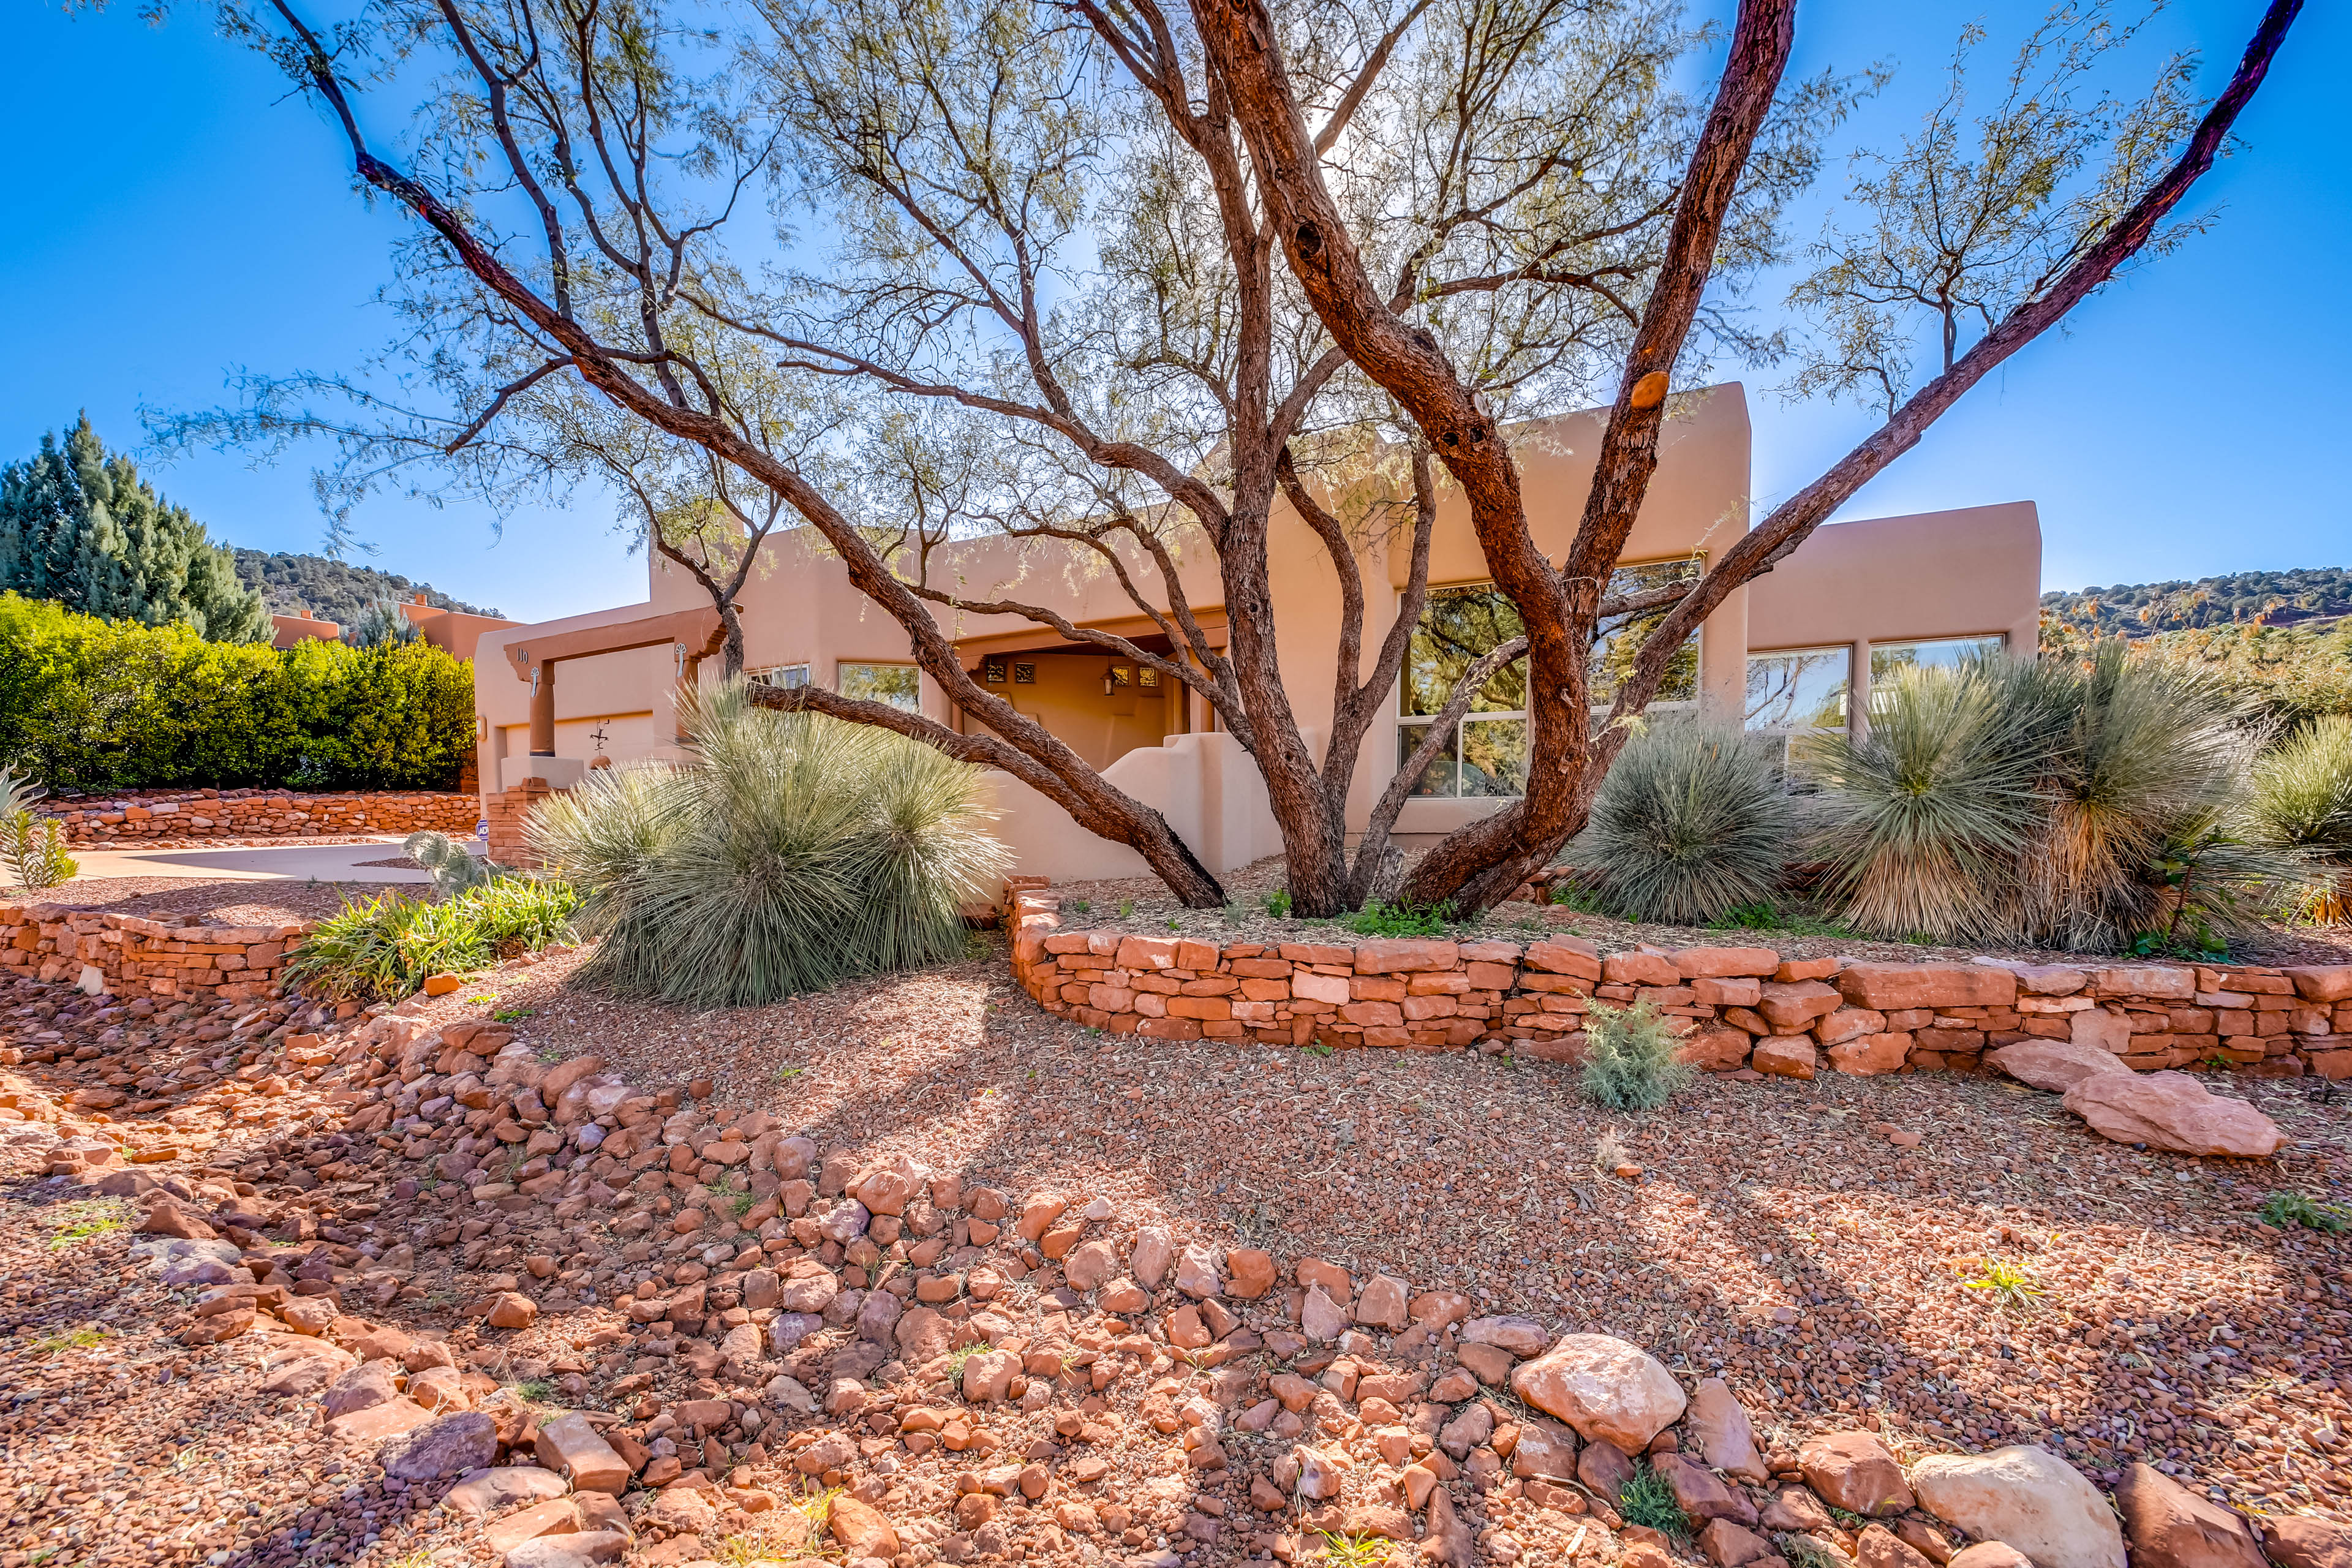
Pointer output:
x,y
288,630
455,632
1794,649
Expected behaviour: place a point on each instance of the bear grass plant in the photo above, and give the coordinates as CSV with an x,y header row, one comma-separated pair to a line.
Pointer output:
x,y
1630,1062
2075,804
31,846
1691,821
382,951
2302,804
789,852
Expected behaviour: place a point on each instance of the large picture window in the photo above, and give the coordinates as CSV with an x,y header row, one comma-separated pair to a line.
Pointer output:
x,y
1886,657
1799,689
899,684
1486,754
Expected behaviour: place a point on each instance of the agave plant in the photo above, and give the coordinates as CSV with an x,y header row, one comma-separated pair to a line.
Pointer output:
x,y
790,851
31,846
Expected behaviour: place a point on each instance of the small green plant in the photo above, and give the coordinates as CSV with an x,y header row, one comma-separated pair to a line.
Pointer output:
x,y
1631,1064
1081,906
786,1075
550,1055
1646,1499
536,1392
32,847
1317,1050
1807,1552
1567,893
956,1358
83,1221
484,1000
1126,907
384,948
2011,1285
68,1340
1396,919
741,1204
1175,924
1354,1550
1277,903
2198,944
512,1015
2283,1209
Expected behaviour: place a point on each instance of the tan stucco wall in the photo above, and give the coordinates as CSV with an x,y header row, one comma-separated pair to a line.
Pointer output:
x,y
1941,574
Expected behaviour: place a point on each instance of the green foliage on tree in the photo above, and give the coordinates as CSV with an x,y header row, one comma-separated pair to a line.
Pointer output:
x,y
80,526
91,704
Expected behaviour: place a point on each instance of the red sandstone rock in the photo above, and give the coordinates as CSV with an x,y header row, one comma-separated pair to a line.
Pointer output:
x,y
2172,1111
1889,986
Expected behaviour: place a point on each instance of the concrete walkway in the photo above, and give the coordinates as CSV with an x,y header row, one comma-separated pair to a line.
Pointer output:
x,y
293,862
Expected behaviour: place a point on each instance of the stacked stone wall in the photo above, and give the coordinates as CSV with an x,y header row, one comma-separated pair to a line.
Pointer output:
x,y
162,821
1735,1007
128,956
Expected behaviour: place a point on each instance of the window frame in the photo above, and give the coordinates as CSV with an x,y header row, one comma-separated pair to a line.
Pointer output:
x,y
1844,651
777,677
1416,725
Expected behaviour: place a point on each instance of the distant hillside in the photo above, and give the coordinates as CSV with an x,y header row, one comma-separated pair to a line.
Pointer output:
x,y
2313,595
331,589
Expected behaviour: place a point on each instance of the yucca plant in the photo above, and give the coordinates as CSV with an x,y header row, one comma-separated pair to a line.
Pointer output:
x,y
1691,821
2301,804
789,852
2081,804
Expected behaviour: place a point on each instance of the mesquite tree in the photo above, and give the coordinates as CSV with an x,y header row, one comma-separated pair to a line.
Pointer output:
x,y
1114,282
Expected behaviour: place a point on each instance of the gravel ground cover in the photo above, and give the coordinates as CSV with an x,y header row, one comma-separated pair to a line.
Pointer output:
x,y
208,901
1946,1261
1143,904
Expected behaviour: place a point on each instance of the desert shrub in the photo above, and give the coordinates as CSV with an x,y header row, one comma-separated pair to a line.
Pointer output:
x,y
92,704
2302,804
1396,919
1691,821
452,867
2071,804
1630,1062
384,948
789,852
32,847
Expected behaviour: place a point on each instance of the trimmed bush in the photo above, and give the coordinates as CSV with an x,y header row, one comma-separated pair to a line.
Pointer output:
x,y
1691,822
1630,1063
382,950
2302,804
91,704
791,852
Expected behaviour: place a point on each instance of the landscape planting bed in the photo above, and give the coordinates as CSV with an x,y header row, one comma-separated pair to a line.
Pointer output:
x,y
1828,1248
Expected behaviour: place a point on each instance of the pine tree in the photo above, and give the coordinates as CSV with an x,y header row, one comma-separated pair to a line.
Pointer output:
x,y
82,527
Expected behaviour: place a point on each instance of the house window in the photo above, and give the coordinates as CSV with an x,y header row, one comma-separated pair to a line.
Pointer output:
x,y
1487,755
1024,673
1887,657
899,684
782,677
1799,689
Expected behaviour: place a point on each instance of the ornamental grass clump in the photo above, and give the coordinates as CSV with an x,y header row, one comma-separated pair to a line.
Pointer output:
x,y
2302,805
31,846
1690,821
789,852
1630,1062
382,951
2087,805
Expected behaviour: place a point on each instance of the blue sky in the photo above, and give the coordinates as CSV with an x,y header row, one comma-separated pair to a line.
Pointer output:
x,y
172,216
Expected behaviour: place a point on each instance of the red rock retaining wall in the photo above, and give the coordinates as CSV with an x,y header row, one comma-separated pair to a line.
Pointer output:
x,y
177,820
143,957
1737,1006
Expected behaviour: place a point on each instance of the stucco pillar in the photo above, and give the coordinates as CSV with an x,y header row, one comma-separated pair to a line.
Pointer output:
x,y
542,710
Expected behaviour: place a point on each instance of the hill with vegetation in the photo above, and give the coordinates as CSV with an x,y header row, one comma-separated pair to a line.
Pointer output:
x,y
2308,596
333,589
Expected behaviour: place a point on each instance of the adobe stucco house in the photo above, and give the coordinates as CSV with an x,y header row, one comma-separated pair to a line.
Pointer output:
x,y
1794,649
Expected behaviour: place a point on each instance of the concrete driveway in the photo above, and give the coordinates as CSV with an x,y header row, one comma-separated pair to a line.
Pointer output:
x,y
293,862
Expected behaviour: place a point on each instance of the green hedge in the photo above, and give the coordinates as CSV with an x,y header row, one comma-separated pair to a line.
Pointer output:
x,y
92,704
